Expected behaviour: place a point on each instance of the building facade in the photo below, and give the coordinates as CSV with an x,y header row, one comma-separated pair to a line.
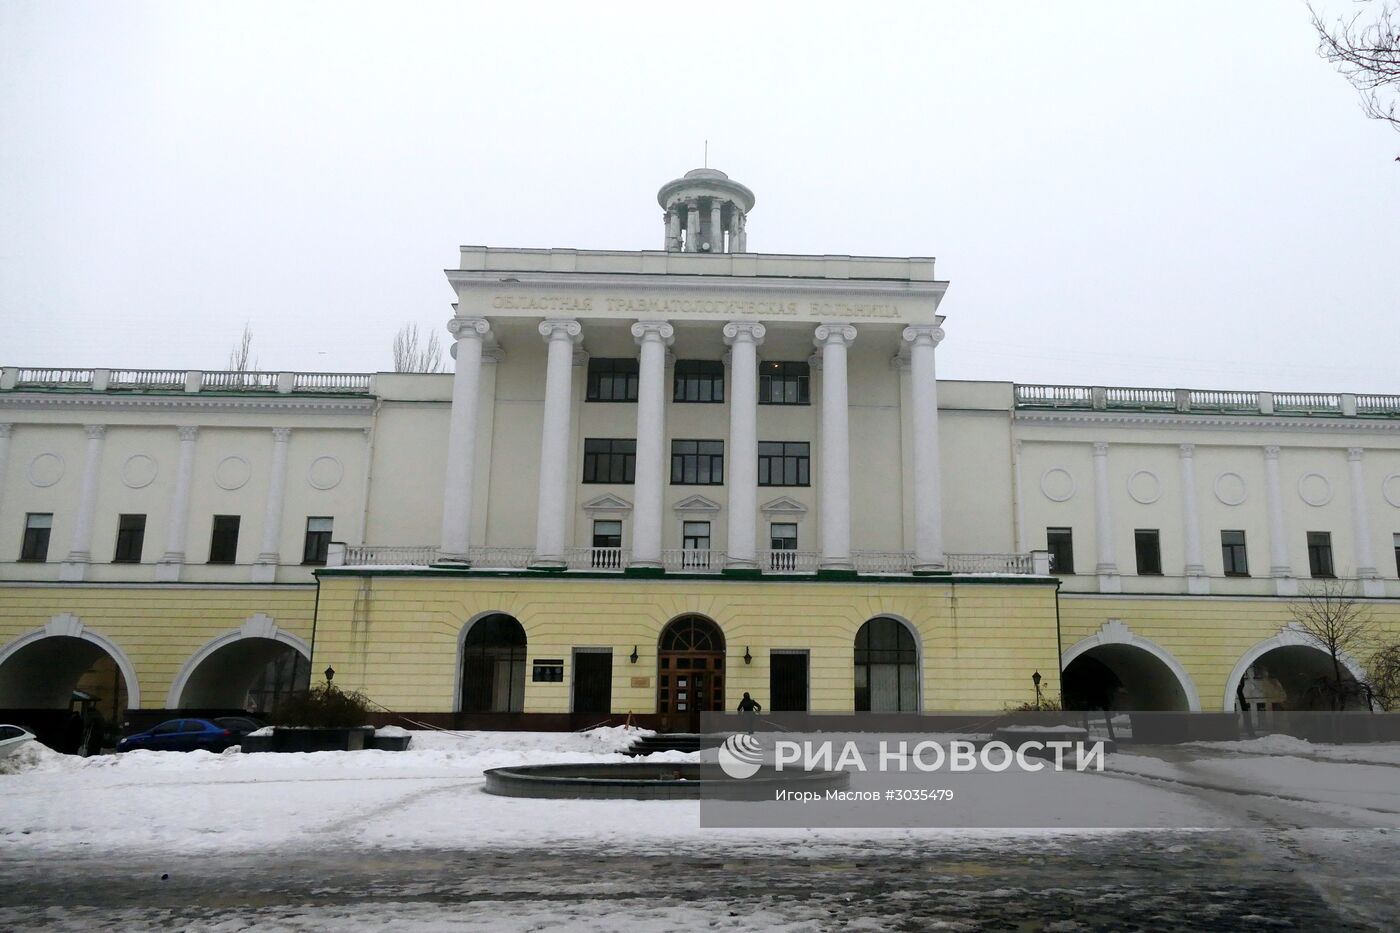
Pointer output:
x,y
659,479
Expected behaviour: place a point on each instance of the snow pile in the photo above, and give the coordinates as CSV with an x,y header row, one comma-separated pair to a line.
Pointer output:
x,y
30,756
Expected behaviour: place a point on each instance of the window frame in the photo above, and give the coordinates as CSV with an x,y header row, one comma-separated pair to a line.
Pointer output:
x,y
592,459
131,538
1151,539
785,543
321,539
1054,533
608,539
237,524
687,536
1320,553
608,370
713,462
782,372
802,463
702,372
34,542
1234,557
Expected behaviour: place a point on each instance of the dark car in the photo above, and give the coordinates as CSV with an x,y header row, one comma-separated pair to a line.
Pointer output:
x,y
184,735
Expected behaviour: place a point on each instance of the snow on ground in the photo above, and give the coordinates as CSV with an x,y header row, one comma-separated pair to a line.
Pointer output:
x,y
432,796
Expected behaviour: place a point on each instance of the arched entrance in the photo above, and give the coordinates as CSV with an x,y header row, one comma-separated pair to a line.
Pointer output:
x,y
690,670
886,667
236,671
1292,676
69,684
493,665
1122,677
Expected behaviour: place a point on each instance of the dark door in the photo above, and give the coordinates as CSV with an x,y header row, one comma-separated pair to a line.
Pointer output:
x,y
593,682
787,681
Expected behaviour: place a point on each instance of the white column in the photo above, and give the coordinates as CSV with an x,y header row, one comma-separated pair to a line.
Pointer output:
x,y
1197,583
6,429
928,496
1361,528
692,226
269,555
1280,568
171,563
458,492
561,336
744,340
743,234
716,231
1107,568
653,337
80,553
834,495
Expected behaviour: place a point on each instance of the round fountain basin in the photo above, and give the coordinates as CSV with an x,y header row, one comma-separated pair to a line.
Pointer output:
x,y
655,781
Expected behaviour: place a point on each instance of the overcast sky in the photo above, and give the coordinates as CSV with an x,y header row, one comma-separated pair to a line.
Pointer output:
x,y
1165,194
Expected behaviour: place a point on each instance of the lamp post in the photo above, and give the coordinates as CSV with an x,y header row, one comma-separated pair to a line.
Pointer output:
x,y
330,674
1035,679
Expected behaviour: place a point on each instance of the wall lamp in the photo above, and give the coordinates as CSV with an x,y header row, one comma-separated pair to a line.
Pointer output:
x,y
748,658
633,656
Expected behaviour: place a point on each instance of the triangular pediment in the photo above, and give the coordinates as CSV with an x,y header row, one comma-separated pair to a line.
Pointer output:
x,y
783,505
607,503
696,504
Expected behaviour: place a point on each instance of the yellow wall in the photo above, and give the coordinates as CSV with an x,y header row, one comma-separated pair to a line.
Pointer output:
x,y
395,636
1207,635
158,628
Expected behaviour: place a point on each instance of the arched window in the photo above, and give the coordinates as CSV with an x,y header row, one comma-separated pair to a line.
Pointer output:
x,y
493,666
887,667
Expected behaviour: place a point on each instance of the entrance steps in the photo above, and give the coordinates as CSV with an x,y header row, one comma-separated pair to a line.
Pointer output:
x,y
666,742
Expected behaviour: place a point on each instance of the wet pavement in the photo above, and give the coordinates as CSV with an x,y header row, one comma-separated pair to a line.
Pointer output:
x,y
1216,881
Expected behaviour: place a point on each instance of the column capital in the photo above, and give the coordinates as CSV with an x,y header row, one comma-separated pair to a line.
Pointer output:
x,y
555,329
95,432
188,432
281,435
6,428
661,331
834,334
814,362
1187,451
924,335
1271,452
493,354
463,328
1354,453
748,331
1100,449
580,357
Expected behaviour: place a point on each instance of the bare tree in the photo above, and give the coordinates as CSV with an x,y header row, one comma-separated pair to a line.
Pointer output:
x,y
1365,47
240,358
1331,617
1384,675
411,355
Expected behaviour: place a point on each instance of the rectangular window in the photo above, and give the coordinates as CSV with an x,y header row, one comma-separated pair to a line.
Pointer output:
x,y
131,534
223,543
612,380
696,536
784,383
609,460
784,463
1060,543
37,526
1396,540
1233,554
318,540
1149,552
782,536
1320,553
607,534
699,381
697,463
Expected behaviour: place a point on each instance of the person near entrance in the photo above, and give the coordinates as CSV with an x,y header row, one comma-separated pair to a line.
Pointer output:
x,y
747,707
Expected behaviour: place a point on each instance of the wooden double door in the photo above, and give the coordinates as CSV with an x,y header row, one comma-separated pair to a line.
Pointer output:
x,y
690,672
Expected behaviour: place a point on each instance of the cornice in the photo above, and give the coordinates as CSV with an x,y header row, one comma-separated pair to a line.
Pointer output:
x,y
1171,421
49,401
655,281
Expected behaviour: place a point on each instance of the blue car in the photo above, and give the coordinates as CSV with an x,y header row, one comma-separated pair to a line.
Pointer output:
x,y
184,735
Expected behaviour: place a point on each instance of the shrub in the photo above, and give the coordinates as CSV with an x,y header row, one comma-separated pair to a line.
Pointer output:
x,y
325,707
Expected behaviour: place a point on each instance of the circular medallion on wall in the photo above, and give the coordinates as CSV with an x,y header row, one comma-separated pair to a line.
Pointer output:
x,y
1230,489
1057,484
1144,487
45,470
325,473
232,473
1314,489
139,471
1390,489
